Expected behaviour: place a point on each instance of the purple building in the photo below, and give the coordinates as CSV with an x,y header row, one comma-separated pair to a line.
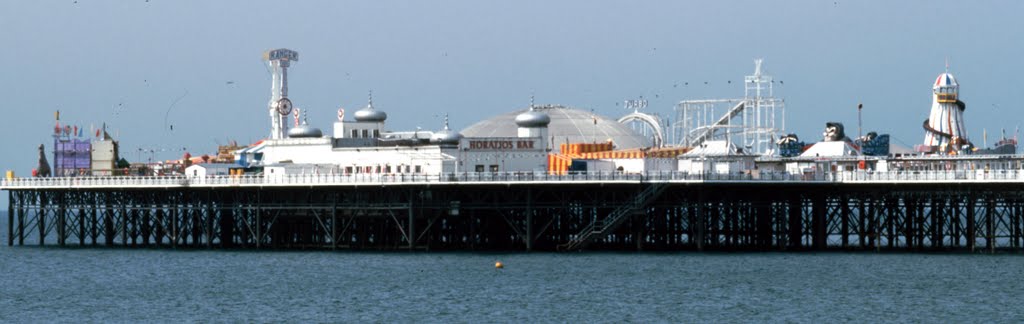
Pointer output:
x,y
71,156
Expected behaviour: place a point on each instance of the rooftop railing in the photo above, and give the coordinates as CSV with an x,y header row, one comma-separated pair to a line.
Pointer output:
x,y
515,177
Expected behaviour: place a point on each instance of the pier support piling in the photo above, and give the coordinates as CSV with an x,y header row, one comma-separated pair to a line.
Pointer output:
x,y
726,217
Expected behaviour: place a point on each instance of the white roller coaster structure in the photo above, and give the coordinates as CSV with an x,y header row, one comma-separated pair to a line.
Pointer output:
x,y
753,122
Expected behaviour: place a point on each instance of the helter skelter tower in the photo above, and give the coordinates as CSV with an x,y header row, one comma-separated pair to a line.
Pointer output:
x,y
280,106
944,129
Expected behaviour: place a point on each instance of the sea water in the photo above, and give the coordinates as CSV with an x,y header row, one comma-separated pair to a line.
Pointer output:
x,y
49,284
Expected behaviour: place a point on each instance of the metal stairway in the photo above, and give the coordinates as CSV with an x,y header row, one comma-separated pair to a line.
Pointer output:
x,y
602,227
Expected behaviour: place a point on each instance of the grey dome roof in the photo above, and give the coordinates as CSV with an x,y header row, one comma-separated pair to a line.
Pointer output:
x,y
566,125
369,114
446,136
304,131
533,118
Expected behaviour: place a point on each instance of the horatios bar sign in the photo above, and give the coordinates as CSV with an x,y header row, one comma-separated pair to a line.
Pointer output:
x,y
501,145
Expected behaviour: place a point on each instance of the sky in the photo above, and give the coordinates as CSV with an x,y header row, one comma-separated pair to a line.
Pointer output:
x,y
142,66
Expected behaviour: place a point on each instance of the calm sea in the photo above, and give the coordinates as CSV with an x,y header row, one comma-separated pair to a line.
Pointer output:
x,y
121,285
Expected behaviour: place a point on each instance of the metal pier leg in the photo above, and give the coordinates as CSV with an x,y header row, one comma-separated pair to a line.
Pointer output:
x,y
21,222
845,219
1016,220
41,219
94,233
819,223
764,224
937,235
62,230
638,234
174,228
700,222
334,225
10,218
875,224
412,226
158,238
227,225
990,231
197,221
921,228
957,220
259,228
81,227
133,219
529,220
910,208
125,220
147,229
891,212
862,230
716,215
108,226
209,224
971,230
795,222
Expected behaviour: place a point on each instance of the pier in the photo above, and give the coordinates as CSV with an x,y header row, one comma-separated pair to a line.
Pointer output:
x,y
668,211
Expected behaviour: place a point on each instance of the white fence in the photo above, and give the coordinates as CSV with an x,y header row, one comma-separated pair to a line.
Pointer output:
x,y
958,176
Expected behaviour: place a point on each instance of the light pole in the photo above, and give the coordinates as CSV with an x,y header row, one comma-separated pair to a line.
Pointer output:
x,y
860,121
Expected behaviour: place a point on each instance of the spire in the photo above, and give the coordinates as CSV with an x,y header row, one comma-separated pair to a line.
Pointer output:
x,y
370,100
445,121
531,101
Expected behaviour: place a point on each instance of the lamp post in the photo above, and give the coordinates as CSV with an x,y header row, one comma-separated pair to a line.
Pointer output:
x,y
860,121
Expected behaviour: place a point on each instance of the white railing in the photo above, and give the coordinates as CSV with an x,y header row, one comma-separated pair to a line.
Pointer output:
x,y
513,177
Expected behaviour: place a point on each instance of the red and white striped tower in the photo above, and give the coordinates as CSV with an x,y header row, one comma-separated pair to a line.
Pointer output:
x,y
944,128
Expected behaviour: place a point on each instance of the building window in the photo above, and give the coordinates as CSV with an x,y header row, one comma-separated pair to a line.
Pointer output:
x,y
479,168
376,133
418,169
348,170
355,133
494,168
387,169
366,133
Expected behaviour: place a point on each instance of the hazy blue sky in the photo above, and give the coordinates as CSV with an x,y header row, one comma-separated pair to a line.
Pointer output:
x,y
125,62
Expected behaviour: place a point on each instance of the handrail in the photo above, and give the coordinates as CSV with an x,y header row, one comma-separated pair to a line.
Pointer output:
x,y
516,177
600,227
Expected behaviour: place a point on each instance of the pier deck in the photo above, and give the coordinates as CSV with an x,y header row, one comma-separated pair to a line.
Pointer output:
x,y
916,211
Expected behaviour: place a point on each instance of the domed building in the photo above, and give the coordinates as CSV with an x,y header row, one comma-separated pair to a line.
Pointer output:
x,y
564,125
369,114
304,130
446,136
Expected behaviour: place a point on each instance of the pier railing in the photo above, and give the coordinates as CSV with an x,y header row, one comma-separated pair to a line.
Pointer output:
x,y
953,176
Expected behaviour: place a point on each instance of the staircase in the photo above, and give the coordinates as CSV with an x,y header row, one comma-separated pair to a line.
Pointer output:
x,y
602,227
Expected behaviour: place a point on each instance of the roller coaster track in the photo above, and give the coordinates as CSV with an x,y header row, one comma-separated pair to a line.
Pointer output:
x,y
709,132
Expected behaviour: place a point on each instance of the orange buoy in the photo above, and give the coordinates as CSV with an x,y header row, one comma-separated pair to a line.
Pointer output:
x,y
499,265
